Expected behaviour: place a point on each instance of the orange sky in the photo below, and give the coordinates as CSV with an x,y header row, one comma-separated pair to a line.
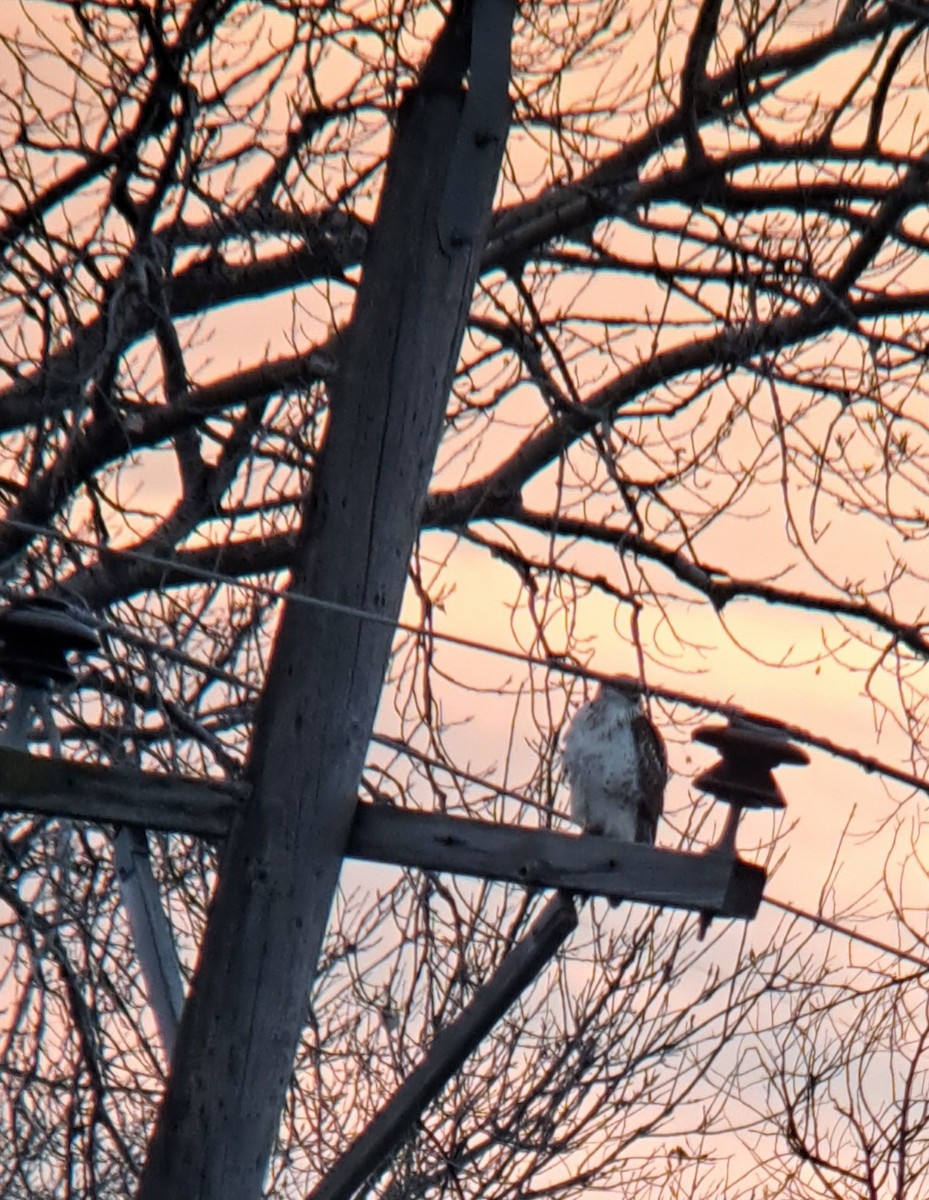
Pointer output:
x,y
493,730
825,695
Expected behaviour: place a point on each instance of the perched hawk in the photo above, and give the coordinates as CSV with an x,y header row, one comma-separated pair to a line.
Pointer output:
x,y
617,767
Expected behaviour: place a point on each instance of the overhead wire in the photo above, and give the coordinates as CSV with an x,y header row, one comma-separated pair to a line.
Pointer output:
x,y
554,662
209,575
853,934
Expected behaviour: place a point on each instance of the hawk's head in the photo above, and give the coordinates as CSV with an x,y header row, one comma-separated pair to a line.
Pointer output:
x,y
623,695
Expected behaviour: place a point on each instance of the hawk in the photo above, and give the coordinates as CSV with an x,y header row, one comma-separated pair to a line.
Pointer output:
x,y
617,767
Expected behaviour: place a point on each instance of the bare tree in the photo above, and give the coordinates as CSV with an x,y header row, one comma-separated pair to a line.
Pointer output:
x,y
685,438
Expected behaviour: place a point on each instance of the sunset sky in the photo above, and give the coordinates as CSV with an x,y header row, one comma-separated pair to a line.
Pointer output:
x,y
763,476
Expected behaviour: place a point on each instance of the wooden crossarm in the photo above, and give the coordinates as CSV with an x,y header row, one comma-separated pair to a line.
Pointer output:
x,y
715,883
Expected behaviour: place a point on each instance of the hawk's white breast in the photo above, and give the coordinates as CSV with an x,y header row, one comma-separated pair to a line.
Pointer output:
x,y
602,762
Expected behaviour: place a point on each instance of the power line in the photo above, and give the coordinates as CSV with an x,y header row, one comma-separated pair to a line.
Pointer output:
x,y
553,663
208,575
852,934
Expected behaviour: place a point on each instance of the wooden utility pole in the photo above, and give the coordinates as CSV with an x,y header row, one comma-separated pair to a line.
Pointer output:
x,y
240,1027
289,825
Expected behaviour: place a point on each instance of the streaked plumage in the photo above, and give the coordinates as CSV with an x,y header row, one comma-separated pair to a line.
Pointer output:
x,y
616,766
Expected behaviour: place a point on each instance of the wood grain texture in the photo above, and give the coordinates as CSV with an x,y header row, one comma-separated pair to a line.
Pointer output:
x,y
542,858
450,1048
116,795
588,865
240,1027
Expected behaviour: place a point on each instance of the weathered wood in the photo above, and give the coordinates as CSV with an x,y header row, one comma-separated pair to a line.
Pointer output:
x,y
431,841
542,858
151,933
248,1004
449,1049
116,795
